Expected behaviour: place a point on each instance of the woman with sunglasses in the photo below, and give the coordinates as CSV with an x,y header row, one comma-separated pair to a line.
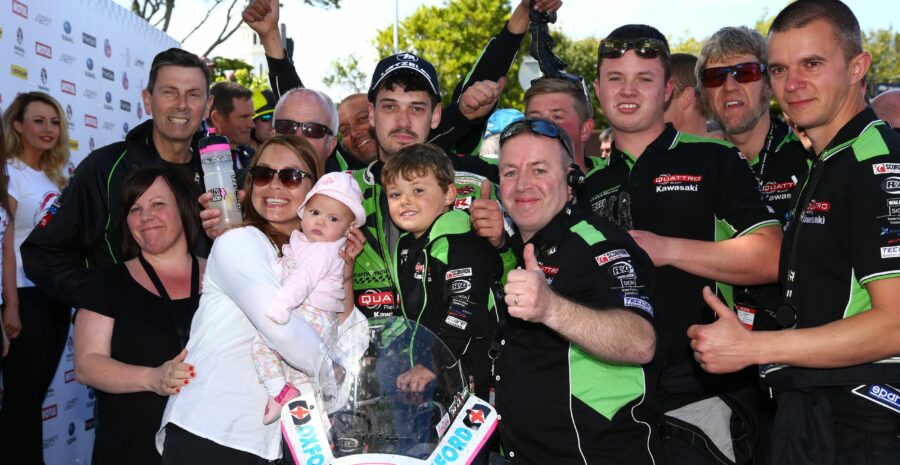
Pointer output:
x,y
218,418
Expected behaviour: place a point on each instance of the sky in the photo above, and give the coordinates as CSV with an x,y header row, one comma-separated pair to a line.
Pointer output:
x,y
351,29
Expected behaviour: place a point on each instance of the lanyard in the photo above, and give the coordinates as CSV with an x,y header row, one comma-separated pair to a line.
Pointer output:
x,y
167,302
767,149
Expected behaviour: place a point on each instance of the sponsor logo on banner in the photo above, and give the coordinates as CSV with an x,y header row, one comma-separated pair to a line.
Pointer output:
x,y
125,105
42,20
139,63
44,78
108,74
44,50
91,144
19,72
610,256
124,80
890,252
140,110
73,144
107,97
107,49
89,94
891,185
458,273
70,404
886,168
49,412
67,26
89,72
69,113
125,128
20,38
67,59
19,8
67,87
89,40
89,424
90,121
49,442
108,125
69,376
67,29
127,56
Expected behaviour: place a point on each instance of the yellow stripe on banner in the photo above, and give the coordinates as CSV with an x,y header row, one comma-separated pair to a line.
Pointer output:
x,y
19,72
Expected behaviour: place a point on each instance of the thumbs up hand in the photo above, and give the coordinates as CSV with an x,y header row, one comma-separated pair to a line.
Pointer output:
x,y
527,294
724,346
487,219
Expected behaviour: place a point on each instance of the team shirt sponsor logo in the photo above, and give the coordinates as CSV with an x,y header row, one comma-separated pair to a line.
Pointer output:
x,y
462,203
891,185
465,190
746,315
677,182
550,270
886,168
610,256
376,299
639,303
890,252
458,273
815,206
456,322
460,285
884,395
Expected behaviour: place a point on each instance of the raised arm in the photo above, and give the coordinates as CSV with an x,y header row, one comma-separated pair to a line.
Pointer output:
x,y
262,16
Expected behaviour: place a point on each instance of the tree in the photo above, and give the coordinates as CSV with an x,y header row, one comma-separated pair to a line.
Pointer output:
x,y
581,55
159,14
884,45
239,71
348,73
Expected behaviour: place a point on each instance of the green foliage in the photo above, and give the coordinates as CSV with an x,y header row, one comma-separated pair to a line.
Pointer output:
x,y
685,44
347,73
581,55
451,37
243,73
884,45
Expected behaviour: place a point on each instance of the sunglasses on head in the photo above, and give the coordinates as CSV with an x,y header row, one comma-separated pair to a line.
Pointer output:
x,y
289,177
310,130
537,126
644,48
743,73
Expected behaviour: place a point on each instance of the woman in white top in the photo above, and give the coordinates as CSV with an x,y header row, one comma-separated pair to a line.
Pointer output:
x,y
37,153
217,419
9,275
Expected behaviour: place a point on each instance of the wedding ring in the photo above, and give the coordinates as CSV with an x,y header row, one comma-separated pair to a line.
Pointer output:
x,y
516,300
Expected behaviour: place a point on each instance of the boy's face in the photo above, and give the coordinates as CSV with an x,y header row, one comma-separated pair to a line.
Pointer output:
x,y
325,219
415,203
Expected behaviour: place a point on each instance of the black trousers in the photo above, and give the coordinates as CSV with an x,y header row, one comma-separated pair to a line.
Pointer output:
x,y
831,426
184,448
27,373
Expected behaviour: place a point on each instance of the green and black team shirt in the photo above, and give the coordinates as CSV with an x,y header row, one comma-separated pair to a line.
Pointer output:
x,y
374,290
559,404
781,167
681,186
848,221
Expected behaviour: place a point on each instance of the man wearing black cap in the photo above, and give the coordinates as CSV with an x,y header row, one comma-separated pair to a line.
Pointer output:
x,y
694,205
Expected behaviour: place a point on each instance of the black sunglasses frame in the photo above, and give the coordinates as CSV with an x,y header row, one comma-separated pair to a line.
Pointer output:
x,y
644,48
290,178
540,127
310,130
742,72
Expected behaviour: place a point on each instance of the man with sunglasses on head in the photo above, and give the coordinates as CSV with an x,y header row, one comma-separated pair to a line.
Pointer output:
x,y
565,103
570,381
835,373
695,207
80,230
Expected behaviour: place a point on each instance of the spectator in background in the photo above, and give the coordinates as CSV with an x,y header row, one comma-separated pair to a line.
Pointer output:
x,y
37,152
566,104
887,106
606,143
490,146
232,116
685,110
130,346
263,110
358,147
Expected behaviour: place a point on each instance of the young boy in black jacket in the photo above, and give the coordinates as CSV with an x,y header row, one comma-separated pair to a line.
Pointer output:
x,y
444,270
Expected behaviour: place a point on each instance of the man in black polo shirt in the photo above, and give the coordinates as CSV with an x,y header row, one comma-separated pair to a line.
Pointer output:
x,y
835,375
570,387
731,73
694,205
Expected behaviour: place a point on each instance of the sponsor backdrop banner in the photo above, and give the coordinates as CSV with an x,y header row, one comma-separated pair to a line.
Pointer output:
x,y
94,57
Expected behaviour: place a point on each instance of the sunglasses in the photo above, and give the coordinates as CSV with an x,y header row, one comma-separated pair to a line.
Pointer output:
x,y
644,48
743,73
537,126
289,177
267,117
310,130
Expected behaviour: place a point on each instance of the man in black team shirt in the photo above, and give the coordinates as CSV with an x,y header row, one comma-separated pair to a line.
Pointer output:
x,y
570,385
734,85
694,205
835,374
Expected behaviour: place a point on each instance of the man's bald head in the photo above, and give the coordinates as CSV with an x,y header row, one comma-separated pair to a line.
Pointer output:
x,y
887,106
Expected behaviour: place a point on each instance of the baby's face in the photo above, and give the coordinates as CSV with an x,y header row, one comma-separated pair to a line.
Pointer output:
x,y
325,219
